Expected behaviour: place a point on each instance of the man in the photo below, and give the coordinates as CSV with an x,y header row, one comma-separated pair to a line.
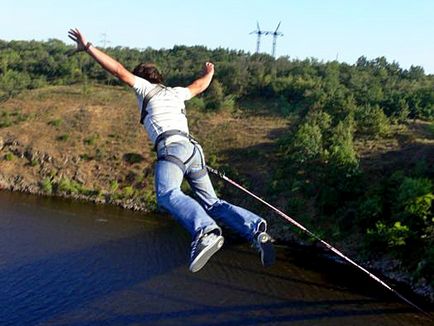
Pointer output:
x,y
179,155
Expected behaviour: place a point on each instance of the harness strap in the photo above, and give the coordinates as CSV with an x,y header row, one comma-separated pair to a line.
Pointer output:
x,y
171,158
157,89
174,160
198,174
169,133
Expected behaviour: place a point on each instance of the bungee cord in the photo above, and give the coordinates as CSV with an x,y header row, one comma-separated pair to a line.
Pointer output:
x,y
327,245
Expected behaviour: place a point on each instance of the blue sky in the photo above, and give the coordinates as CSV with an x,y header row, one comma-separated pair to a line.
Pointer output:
x,y
402,31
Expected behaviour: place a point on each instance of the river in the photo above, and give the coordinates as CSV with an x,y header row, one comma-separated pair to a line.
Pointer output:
x,y
64,262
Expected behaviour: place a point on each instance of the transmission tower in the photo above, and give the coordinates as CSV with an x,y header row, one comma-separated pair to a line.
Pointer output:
x,y
259,33
275,34
104,40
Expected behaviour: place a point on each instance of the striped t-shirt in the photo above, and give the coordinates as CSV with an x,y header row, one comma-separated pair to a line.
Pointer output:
x,y
165,109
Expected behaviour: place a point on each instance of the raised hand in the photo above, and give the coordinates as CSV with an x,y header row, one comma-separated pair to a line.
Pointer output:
x,y
76,36
208,68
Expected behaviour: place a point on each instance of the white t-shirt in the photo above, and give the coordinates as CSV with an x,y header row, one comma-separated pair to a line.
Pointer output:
x,y
165,109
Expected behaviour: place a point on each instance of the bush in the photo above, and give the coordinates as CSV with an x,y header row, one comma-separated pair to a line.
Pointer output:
x,y
68,186
342,154
5,120
229,103
128,192
370,209
196,102
9,156
415,197
13,82
383,236
114,185
320,118
46,185
214,97
307,143
371,121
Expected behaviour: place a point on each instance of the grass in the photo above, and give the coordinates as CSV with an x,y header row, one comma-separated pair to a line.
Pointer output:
x,y
91,140
133,158
46,185
68,186
8,119
55,122
114,186
9,156
63,137
86,157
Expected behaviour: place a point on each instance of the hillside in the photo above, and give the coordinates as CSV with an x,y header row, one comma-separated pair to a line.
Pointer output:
x,y
88,143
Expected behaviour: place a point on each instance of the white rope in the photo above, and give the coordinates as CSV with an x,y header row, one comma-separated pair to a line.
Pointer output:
x,y
328,246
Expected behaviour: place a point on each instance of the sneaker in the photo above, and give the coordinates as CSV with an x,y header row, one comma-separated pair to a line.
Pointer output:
x,y
203,247
264,243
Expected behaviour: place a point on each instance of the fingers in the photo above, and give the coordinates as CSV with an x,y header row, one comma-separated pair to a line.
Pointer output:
x,y
74,34
78,32
209,67
72,31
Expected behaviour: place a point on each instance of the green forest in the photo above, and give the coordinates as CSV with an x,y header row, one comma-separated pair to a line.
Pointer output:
x,y
332,106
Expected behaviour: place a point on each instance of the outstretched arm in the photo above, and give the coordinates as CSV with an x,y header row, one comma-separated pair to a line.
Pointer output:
x,y
107,62
202,83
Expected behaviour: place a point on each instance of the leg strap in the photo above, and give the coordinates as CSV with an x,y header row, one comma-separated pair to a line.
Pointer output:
x,y
174,160
197,174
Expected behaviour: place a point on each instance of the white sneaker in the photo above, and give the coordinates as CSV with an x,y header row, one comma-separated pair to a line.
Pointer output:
x,y
202,248
264,243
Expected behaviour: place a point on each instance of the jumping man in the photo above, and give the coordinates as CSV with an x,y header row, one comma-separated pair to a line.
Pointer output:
x,y
179,155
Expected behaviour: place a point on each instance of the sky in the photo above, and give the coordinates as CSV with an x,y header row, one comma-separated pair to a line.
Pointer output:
x,y
400,30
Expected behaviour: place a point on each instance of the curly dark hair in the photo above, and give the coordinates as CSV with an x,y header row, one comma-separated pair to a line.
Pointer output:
x,y
149,72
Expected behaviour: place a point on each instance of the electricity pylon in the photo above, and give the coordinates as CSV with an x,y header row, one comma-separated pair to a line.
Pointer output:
x,y
275,34
259,33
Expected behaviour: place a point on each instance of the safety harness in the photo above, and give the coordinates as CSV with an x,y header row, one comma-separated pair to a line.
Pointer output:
x,y
157,89
168,133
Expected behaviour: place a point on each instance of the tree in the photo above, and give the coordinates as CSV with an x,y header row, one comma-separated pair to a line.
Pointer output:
x,y
214,96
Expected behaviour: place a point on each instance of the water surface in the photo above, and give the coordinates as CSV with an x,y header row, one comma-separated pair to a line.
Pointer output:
x,y
71,263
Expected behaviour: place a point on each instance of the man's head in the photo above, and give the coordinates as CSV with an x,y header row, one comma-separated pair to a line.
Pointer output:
x,y
149,72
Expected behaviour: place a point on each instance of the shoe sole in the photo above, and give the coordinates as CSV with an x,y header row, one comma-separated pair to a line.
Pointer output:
x,y
205,255
268,256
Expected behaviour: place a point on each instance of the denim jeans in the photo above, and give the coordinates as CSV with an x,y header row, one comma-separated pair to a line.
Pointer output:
x,y
197,215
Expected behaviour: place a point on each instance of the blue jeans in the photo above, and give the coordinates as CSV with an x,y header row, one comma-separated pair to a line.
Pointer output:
x,y
197,216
